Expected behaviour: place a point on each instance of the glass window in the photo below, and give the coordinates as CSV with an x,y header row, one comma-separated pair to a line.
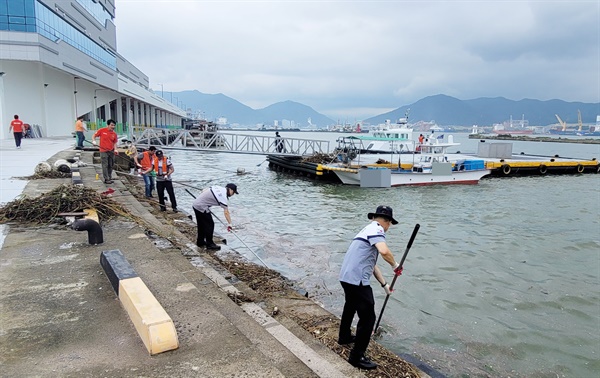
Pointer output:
x,y
16,20
30,8
53,27
16,7
17,27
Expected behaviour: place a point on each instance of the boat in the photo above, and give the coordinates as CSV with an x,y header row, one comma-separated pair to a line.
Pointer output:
x,y
388,138
430,167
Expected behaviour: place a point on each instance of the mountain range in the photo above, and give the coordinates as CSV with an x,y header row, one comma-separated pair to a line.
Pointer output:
x,y
441,109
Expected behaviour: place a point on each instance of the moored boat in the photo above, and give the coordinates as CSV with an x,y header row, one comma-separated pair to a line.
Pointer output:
x,y
430,167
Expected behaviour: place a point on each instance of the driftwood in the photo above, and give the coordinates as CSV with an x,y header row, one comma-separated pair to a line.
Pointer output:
x,y
46,208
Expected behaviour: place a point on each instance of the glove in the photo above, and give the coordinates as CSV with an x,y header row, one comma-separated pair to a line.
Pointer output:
x,y
94,143
397,270
229,228
387,289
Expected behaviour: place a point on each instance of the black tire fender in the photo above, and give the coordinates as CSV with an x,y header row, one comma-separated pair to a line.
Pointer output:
x,y
579,168
543,169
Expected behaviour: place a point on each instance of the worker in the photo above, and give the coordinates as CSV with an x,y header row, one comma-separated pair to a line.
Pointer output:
x,y
213,196
144,161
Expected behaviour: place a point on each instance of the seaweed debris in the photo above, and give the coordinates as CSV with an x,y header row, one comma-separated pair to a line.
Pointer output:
x,y
62,199
46,175
325,329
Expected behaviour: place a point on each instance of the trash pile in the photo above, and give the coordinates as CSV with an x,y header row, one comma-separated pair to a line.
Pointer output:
x,y
63,199
325,328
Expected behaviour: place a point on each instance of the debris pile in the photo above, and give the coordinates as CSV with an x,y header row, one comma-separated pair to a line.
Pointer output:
x,y
63,199
39,175
325,328
319,158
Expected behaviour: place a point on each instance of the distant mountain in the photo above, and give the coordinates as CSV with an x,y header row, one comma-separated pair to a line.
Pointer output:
x,y
448,111
291,110
444,110
214,106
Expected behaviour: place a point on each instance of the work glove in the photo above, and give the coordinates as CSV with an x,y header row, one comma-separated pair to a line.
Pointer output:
x,y
94,143
229,228
387,289
398,269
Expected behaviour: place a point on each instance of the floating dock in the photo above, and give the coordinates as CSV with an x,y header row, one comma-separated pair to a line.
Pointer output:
x,y
519,165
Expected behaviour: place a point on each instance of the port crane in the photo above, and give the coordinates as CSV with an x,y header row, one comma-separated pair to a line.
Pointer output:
x,y
579,120
562,123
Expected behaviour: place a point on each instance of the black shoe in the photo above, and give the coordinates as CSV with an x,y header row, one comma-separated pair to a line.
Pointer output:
x,y
347,341
363,363
213,247
175,210
108,181
201,245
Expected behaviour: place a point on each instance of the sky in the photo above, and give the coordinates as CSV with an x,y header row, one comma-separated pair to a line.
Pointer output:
x,y
357,59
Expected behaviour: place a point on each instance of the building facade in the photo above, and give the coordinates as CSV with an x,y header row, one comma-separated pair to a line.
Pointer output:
x,y
59,60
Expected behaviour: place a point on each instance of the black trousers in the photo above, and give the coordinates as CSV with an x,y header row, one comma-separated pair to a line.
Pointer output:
x,y
359,300
206,228
160,188
18,136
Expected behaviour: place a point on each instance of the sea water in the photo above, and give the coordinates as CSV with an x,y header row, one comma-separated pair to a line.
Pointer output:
x,y
502,280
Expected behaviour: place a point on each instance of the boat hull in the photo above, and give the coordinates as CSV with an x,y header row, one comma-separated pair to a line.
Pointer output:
x,y
405,178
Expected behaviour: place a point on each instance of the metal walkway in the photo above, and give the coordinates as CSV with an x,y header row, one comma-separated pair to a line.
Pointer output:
x,y
217,141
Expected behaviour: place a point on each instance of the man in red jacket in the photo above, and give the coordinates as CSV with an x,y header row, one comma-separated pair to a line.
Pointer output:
x,y
108,148
16,126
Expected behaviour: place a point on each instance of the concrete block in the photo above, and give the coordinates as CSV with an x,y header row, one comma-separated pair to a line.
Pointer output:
x,y
116,267
150,319
92,214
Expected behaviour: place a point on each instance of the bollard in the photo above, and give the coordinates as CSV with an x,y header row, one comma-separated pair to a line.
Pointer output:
x,y
92,227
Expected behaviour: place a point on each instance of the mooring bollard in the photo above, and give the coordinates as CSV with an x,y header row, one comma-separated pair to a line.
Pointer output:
x,y
92,227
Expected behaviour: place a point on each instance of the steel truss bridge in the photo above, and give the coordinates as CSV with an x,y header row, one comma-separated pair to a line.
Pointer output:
x,y
217,141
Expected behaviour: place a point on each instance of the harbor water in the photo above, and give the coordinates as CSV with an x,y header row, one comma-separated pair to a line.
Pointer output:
x,y
503,279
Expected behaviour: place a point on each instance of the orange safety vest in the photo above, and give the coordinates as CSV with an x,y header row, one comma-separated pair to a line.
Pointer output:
x,y
164,167
146,161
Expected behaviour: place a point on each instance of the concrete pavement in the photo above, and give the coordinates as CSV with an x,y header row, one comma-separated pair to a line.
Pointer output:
x,y
60,316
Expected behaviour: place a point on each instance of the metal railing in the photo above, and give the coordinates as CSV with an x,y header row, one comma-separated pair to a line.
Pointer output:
x,y
217,141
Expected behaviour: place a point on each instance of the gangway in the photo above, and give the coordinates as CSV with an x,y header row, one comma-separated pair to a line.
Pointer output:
x,y
218,141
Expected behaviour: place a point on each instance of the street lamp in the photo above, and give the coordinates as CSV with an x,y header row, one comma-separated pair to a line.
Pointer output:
x,y
162,91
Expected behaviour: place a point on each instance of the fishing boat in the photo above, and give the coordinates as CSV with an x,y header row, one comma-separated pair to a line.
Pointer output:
x,y
430,167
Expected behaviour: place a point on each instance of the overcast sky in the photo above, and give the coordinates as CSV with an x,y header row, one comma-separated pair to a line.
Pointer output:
x,y
357,59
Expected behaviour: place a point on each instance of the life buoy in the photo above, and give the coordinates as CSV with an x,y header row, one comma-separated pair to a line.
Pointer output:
x,y
579,168
506,169
543,169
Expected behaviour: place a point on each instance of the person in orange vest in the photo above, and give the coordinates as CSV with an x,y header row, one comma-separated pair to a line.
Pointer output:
x,y
79,129
145,161
164,169
16,126
108,148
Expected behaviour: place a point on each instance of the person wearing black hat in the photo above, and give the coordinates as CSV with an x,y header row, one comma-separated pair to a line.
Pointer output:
x,y
355,277
213,196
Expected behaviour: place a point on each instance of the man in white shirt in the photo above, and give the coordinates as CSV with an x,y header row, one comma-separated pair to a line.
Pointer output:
x,y
213,196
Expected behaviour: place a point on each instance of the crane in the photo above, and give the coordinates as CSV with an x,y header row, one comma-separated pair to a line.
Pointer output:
x,y
562,123
579,120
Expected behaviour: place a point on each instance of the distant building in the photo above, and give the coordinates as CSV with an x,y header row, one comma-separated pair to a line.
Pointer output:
x,y
59,60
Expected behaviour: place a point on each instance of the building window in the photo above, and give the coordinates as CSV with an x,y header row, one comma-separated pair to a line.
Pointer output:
x,y
17,15
96,10
32,16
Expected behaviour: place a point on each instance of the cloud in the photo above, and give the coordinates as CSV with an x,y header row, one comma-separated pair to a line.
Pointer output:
x,y
351,58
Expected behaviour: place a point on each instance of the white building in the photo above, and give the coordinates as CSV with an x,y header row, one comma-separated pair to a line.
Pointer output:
x,y
59,60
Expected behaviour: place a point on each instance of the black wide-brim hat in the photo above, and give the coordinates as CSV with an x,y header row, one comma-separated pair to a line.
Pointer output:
x,y
385,212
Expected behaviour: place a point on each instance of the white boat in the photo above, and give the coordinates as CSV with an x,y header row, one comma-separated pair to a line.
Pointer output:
x,y
430,167
387,138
